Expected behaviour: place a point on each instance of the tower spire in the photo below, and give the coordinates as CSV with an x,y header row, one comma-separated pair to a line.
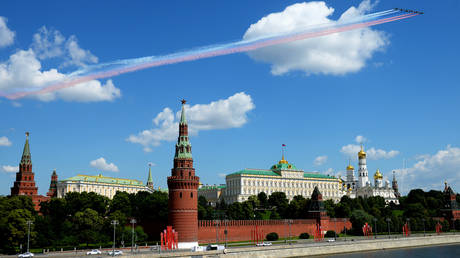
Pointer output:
x,y
183,146
26,159
149,179
282,161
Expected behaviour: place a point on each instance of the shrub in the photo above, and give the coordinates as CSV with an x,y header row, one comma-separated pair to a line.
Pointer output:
x,y
330,233
273,236
304,236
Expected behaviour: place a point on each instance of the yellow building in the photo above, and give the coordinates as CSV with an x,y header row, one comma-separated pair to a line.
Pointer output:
x,y
102,185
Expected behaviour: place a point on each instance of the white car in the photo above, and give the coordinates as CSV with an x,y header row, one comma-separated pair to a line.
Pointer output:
x,y
264,244
117,252
331,240
26,254
94,251
198,248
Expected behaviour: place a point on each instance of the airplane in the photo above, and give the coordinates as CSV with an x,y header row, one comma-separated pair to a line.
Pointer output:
x,y
407,10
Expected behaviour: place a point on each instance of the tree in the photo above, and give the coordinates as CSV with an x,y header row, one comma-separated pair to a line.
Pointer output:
x,y
88,225
279,200
263,200
358,219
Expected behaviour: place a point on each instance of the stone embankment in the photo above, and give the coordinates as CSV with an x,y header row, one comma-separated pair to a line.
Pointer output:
x,y
303,250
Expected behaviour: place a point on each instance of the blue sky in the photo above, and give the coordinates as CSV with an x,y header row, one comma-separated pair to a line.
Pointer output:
x,y
403,97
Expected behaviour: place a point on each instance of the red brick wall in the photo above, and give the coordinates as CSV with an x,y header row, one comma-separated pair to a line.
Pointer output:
x,y
240,230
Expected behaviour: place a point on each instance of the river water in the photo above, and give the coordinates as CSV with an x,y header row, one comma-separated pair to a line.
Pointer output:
x,y
422,252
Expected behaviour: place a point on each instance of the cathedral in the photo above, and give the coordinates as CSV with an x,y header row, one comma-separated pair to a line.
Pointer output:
x,y
362,187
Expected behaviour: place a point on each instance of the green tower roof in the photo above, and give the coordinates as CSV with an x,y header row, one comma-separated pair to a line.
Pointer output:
x,y
26,159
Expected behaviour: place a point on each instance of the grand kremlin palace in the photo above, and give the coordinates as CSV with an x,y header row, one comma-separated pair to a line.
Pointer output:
x,y
281,177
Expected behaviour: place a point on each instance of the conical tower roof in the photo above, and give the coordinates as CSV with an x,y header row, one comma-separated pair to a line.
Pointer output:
x,y
149,179
26,158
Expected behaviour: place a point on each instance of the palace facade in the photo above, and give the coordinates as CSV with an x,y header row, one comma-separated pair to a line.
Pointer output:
x,y
281,177
102,185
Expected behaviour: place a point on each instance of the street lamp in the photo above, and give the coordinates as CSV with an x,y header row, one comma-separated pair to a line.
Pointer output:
x,y
226,232
133,221
335,228
375,226
453,224
408,226
29,222
114,223
388,223
423,219
217,231
345,225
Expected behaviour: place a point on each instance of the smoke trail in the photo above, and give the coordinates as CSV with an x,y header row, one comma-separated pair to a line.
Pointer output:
x,y
118,67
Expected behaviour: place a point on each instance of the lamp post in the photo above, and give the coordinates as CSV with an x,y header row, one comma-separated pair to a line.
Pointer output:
x,y
289,222
408,226
226,232
114,223
423,219
335,228
217,231
133,221
453,224
388,223
29,222
344,223
375,226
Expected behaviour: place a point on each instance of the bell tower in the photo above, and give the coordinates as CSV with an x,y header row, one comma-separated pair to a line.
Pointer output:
x,y
183,189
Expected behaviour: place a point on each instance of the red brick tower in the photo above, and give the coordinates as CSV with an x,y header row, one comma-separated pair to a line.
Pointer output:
x,y
25,183
52,192
183,190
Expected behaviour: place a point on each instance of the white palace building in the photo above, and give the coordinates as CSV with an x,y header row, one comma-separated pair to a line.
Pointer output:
x,y
285,177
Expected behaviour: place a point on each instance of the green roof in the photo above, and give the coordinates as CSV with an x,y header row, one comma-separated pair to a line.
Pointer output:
x,y
104,179
208,187
258,172
262,172
317,175
284,166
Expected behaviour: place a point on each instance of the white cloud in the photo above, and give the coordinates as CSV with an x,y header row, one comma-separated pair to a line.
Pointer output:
x,y
351,150
4,141
336,54
102,164
23,71
220,114
10,169
320,160
430,171
222,175
360,139
6,35
50,43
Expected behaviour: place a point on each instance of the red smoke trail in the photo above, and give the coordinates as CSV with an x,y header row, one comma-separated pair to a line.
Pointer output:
x,y
210,53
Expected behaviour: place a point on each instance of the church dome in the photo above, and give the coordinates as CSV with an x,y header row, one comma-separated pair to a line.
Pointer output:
x,y
378,175
350,167
361,153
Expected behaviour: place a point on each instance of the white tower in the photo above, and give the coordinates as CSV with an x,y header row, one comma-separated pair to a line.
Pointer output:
x,y
363,177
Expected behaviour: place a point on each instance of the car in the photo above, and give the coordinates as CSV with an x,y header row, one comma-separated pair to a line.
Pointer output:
x,y
211,247
331,240
264,244
115,253
198,248
94,251
26,254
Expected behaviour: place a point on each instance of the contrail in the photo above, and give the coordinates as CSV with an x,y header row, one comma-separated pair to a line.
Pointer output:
x,y
118,67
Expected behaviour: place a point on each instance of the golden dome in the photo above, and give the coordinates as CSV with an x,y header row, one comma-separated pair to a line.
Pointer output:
x,y
350,167
361,153
283,161
378,175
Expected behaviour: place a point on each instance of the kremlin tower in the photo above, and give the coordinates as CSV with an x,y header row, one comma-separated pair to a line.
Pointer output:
x,y
363,178
25,182
52,192
183,189
149,179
